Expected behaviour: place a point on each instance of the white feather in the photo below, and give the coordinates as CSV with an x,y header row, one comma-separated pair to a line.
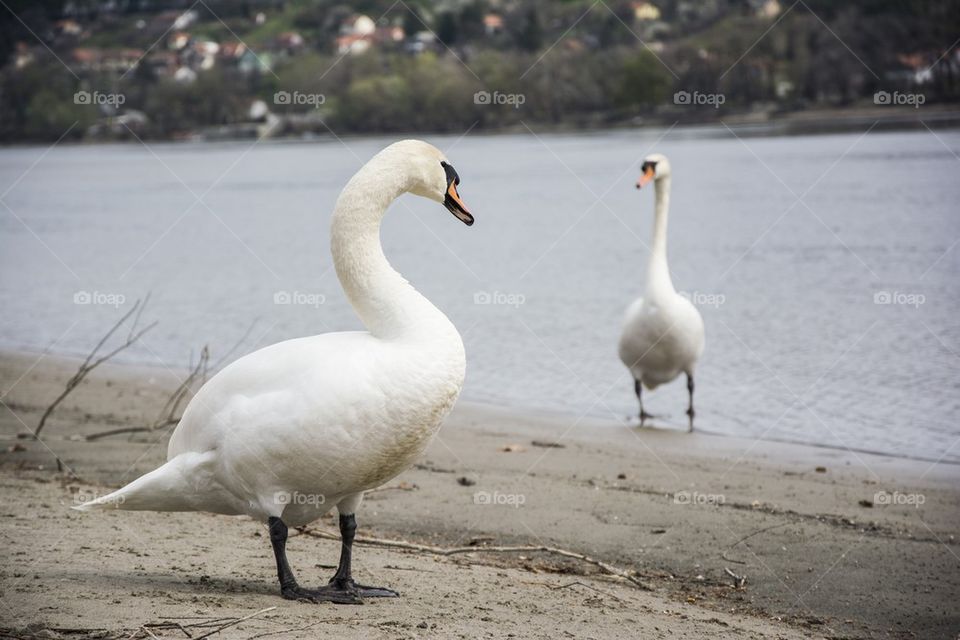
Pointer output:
x,y
301,426
663,332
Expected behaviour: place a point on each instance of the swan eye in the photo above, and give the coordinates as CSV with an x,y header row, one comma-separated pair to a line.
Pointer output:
x,y
452,177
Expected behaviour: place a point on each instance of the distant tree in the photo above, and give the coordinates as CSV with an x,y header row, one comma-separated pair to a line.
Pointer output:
x,y
37,103
447,28
530,36
642,82
412,21
471,20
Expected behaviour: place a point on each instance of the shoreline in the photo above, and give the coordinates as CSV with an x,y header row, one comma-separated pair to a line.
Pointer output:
x,y
832,543
594,424
816,121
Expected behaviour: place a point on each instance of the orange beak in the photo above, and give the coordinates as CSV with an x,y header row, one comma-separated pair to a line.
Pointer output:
x,y
455,205
645,178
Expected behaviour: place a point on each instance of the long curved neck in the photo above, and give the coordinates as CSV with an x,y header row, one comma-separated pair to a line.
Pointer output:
x,y
387,304
658,273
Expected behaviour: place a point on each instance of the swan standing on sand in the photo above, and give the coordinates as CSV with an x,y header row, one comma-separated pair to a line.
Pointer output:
x,y
663,332
288,432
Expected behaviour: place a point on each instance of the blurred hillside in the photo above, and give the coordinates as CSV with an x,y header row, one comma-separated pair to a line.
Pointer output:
x,y
101,69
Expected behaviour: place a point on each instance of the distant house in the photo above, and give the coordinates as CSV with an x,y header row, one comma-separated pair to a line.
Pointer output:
x,y
769,9
493,24
162,63
358,25
420,42
289,41
67,27
358,33
178,40
353,44
388,34
185,75
251,62
645,11
23,57
918,67
232,51
121,60
185,20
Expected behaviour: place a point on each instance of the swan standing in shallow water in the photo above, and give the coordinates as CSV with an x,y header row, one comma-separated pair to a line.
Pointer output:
x,y
662,332
292,430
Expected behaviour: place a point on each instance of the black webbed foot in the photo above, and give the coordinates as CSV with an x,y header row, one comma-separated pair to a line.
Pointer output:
x,y
364,591
323,594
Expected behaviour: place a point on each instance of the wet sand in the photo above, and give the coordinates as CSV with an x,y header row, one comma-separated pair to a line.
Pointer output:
x,y
823,554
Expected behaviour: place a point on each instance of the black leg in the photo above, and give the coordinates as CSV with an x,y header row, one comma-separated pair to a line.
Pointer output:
x,y
638,389
289,588
690,411
343,578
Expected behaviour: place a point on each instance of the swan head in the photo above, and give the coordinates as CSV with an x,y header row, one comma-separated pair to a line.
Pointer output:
x,y
655,167
430,175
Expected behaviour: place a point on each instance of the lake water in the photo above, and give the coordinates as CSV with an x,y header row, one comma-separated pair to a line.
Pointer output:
x,y
786,243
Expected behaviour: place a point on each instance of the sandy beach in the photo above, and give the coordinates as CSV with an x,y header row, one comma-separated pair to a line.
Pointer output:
x,y
829,544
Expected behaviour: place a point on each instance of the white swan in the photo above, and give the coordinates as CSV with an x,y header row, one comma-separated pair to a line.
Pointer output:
x,y
292,430
662,332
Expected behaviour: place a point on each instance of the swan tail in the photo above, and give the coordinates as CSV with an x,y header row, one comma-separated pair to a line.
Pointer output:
x,y
173,486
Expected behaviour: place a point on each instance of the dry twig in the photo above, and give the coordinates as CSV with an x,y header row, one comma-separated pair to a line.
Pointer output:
x,y
170,414
747,537
91,362
738,581
172,409
441,551
221,624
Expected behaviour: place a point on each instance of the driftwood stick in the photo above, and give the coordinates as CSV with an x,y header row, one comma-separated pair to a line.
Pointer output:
x,y
747,537
171,412
234,622
91,362
738,581
442,551
577,583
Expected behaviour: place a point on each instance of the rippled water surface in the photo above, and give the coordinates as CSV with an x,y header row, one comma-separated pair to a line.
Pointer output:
x,y
787,244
